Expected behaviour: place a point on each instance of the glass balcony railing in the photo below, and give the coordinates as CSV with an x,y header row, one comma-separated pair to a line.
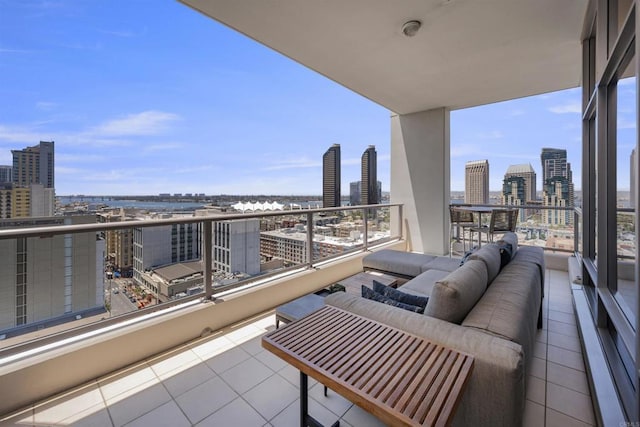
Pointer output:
x,y
68,275
552,228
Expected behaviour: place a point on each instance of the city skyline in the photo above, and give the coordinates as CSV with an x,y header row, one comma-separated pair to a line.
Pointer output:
x,y
192,97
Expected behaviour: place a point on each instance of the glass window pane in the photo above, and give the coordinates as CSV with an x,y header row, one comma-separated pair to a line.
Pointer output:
x,y
626,178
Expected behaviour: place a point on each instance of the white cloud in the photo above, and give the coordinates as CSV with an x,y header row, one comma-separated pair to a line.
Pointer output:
x,y
20,134
162,147
46,106
572,107
626,124
7,50
300,163
145,123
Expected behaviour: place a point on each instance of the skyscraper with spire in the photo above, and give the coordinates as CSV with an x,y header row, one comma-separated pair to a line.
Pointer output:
x,y
331,177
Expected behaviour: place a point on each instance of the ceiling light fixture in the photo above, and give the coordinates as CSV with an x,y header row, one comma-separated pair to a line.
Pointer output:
x,y
410,28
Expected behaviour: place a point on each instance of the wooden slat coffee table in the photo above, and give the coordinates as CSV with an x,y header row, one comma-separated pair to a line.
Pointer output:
x,y
398,377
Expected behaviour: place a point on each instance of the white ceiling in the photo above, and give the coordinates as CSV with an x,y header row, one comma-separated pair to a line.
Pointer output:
x,y
467,53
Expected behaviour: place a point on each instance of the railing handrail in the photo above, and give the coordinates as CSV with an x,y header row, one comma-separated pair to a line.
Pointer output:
x,y
53,230
556,208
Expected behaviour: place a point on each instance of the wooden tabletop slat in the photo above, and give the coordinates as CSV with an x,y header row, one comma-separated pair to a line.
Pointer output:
x,y
431,385
374,359
421,366
325,337
330,341
369,344
450,377
401,378
390,369
296,333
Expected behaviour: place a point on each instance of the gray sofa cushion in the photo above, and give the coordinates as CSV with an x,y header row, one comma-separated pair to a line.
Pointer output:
x,y
509,308
442,263
407,264
421,285
452,297
490,255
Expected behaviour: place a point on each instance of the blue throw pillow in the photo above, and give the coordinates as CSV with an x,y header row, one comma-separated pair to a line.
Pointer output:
x,y
467,254
374,296
400,296
506,252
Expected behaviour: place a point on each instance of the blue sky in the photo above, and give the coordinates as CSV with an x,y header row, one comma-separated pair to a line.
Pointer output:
x,y
148,96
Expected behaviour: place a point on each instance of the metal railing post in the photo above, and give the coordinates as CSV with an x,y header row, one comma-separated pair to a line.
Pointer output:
x,y
365,239
310,239
207,255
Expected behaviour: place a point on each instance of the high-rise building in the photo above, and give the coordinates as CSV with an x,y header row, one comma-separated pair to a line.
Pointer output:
x,y
236,246
369,188
5,173
557,185
32,175
514,192
34,165
476,182
163,245
525,171
355,197
119,242
554,163
354,193
331,177
53,279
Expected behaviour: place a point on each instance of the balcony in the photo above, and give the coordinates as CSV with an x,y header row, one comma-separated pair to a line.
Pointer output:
x,y
198,360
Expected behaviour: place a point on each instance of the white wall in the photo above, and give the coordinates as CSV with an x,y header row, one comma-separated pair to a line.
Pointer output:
x,y
420,177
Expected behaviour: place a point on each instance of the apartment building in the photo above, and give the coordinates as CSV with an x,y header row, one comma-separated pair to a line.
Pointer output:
x,y
49,280
331,177
476,182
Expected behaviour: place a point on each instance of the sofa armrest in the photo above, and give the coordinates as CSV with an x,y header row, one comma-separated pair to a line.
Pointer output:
x,y
495,392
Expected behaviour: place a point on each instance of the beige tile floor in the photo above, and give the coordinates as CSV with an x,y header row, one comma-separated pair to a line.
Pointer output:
x,y
228,379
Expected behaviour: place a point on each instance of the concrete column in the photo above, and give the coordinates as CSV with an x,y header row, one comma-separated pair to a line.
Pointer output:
x,y
420,178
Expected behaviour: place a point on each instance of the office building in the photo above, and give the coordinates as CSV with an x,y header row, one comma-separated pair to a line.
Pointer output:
x,y
554,163
331,177
525,171
163,245
236,246
5,173
355,190
49,280
119,243
514,192
557,192
476,182
34,165
557,186
370,192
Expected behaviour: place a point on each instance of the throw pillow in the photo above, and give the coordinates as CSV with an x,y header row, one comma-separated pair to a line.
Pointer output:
x,y
400,296
467,254
372,295
505,253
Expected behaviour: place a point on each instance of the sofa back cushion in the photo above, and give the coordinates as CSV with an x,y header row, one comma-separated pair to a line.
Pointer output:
x,y
455,295
490,255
